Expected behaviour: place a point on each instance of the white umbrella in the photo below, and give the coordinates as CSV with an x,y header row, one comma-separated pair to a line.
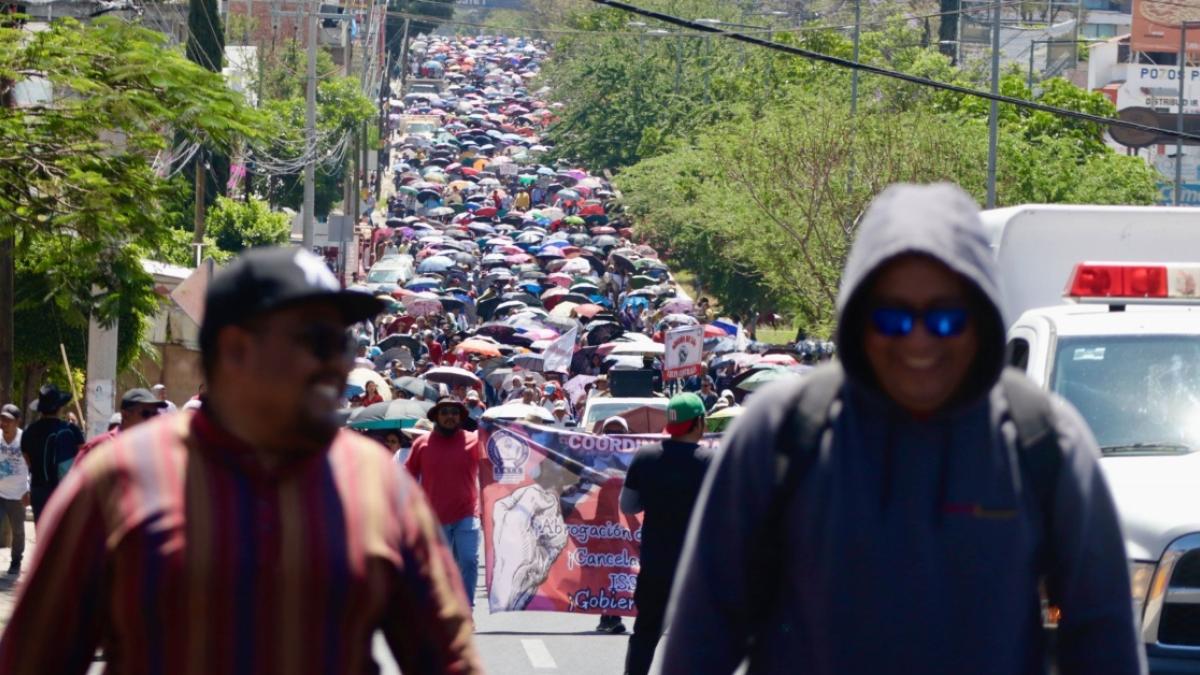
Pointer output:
x,y
359,377
653,348
517,411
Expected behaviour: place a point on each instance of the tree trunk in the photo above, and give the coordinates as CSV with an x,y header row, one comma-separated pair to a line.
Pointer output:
x,y
7,294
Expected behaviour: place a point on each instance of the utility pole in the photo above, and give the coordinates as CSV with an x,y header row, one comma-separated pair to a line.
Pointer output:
x,y
854,73
310,124
994,109
1183,28
198,217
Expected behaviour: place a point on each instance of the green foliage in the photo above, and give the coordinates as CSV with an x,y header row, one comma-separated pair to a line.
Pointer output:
x,y
747,168
77,180
78,192
237,225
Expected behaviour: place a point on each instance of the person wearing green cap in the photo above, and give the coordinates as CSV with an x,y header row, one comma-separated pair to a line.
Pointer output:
x,y
663,483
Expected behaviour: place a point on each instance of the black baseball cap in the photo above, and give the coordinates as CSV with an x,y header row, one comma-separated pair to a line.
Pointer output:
x,y
266,279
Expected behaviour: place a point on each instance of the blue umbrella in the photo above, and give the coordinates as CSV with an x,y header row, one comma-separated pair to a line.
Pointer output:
x,y
435,263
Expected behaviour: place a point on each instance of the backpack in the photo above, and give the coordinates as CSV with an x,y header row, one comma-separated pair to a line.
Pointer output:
x,y
808,417
59,453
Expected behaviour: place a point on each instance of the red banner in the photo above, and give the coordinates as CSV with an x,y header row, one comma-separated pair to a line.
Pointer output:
x,y
554,535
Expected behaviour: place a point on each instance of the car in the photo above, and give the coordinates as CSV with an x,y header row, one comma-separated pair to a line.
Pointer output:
x,y
391,271
600,408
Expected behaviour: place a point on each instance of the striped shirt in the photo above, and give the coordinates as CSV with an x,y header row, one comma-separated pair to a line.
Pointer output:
x,y
178,553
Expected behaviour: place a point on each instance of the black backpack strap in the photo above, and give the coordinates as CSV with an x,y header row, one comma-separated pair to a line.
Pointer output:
x,y
1038,450
797,446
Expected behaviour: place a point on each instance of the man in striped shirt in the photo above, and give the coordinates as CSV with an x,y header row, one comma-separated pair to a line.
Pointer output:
x,y
252,535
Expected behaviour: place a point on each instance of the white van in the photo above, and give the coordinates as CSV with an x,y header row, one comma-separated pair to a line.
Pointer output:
x,y
1103,313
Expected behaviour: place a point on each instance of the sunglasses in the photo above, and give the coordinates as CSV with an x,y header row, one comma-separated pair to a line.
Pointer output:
x,y
324,341
942,322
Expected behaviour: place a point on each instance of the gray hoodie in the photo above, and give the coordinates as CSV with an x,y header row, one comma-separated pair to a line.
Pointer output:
x,y
910,546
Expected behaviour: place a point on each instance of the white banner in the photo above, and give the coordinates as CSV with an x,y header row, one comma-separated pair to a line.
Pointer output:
x,y
557,357
684,347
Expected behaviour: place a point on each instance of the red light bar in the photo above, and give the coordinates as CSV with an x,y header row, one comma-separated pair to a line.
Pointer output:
x,y
1132,280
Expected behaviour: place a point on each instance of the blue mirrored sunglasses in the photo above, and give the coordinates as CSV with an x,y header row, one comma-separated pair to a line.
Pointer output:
x,y
942,322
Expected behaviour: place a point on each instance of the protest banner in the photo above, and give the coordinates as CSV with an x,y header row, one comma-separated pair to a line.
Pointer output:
x,y
554,535
683,348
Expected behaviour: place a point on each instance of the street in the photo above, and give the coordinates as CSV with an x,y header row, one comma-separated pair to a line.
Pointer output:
x,y
511,643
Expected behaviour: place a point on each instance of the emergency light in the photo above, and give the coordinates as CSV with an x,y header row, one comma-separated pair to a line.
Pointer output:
x,y
1145,281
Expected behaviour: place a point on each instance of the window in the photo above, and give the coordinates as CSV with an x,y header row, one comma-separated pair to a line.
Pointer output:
x,y
1099,31
1139,392
1018,354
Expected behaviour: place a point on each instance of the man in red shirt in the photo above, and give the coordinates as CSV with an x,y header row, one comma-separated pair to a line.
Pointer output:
x,y
446,462
252,535
434,349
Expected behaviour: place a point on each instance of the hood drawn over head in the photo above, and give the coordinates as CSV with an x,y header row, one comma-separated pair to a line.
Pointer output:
x,y
940,221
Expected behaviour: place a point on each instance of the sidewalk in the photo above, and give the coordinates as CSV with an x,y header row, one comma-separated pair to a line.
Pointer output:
x,y
8,583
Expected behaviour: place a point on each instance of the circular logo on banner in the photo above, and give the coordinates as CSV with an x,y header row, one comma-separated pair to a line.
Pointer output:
x,y
508,453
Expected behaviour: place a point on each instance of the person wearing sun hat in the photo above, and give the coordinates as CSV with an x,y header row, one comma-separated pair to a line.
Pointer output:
x,y
446,463
663,483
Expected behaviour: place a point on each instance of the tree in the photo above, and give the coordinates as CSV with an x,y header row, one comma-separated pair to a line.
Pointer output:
x,y
79,194
237,225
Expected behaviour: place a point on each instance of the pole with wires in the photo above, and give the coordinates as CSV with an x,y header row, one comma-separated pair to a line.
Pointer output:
x,y
994,109
310,127
854,73
1183,27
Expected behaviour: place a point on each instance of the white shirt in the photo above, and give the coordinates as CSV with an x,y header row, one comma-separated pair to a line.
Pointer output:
x,y
14,474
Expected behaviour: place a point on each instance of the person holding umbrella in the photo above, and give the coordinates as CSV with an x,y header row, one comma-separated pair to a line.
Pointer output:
x,y
446,463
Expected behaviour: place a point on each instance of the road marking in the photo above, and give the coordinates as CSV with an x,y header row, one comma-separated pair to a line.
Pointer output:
x,y
538,655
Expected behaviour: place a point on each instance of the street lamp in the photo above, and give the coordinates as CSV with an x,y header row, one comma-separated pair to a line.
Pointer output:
x,y
1183,29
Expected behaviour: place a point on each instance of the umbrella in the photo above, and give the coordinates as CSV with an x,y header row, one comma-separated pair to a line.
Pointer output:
x,y
679,305
359,377
423,304
480,347
434,264
533,362
417,387
652,348
576,387
719,421
779,360
762,377
563,308
452,376
451,303
399,340
402,354
599,332
496,331
397,414
588,310
735,358
518,411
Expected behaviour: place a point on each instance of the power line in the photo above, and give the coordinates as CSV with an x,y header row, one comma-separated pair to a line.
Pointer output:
x,y
893,74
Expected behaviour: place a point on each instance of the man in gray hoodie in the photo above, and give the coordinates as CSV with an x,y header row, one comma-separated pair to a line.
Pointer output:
x,y
914,541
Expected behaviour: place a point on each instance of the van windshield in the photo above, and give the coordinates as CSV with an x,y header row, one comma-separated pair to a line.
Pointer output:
x,y
1140,394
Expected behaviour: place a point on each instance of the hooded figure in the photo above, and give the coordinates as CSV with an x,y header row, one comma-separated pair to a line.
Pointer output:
x,y
909,544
